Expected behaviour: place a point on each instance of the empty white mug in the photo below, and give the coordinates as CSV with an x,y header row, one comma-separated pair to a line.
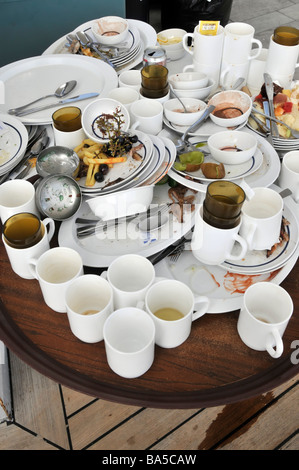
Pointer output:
x,y
17,196
264,316
282,62
238,42
289,173
147,116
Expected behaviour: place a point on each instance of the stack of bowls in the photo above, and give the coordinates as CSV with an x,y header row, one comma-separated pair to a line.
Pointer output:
x,y
191,85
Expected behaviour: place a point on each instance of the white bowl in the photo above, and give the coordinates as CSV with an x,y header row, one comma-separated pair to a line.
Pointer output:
x,y
122,203
171,41
115,25
174,111
95,110
236,98
199,93
188,80
244,141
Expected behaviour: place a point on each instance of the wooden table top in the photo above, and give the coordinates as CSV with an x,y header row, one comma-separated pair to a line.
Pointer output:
x,y
213,367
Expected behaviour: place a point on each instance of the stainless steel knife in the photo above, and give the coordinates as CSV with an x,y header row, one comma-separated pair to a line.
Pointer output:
x,y
84,96
270,94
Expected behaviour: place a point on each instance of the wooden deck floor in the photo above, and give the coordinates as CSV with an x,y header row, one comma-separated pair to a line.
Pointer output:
x,y
48,416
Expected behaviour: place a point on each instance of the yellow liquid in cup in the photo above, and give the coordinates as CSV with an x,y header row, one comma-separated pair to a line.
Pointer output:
x,y
168,314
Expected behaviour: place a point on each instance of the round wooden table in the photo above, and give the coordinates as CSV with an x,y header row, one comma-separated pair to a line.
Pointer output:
x,y
213,367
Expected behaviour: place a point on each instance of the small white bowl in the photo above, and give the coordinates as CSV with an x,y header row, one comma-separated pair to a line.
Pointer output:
x,y
199,93
236,98
244,141
122,203
188,80
171,41
95,110
174,111
110,30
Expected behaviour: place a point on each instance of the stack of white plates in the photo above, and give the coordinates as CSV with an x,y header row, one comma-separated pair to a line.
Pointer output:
x,y
13,143
157,157
279,143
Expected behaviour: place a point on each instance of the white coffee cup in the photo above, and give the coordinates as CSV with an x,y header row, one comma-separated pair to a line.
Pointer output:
x,y
147,115
282,62
129,336
168,295
289,173
238,41
55,270
68,139
17,196
207,49
212,245
130,78
213,71
230,72
261,219
89,302
130,276
255,77
125,95
264,316
19,257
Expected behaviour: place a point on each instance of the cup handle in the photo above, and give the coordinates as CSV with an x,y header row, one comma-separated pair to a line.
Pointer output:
x,y
259,49
247,189
135,125
277,352
223,76
244,248
250,235
32,266
184,42
104,275
51,230
202,310
188,67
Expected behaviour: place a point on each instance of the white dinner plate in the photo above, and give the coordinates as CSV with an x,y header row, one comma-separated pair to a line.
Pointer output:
x,y
256,261
206,129
100,250
124,171
169,158
232,172
13,142
224,289
29,79
148,37
265,176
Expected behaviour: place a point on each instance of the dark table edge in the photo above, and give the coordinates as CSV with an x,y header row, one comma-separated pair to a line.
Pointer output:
x,y
16,341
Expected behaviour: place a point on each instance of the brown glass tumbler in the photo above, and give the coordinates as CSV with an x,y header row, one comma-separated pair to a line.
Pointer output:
x,y
224,199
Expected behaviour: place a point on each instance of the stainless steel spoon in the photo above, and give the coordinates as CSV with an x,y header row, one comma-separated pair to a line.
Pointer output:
x,y
178,98
61,91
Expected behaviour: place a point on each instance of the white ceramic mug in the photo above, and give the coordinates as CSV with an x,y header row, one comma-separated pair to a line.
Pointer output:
x,y
213,71
125,95
55,270
261,219
289,173
129,336
238,41
17,196
171,297
130,276
147,116
89,302
19,257
282,62
207,49
130,78
264,316
230,72
212,245
68,139
255,77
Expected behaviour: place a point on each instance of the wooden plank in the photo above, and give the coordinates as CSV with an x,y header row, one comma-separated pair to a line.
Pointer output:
x,y
74,400
97,419
37,403
212,425
271,428
143,430
14,438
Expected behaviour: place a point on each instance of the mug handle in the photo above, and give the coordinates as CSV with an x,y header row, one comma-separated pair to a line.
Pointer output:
x,y
244,248
135,125
184,42
32,266
51,230
223,76
259,48
205,301
277,352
